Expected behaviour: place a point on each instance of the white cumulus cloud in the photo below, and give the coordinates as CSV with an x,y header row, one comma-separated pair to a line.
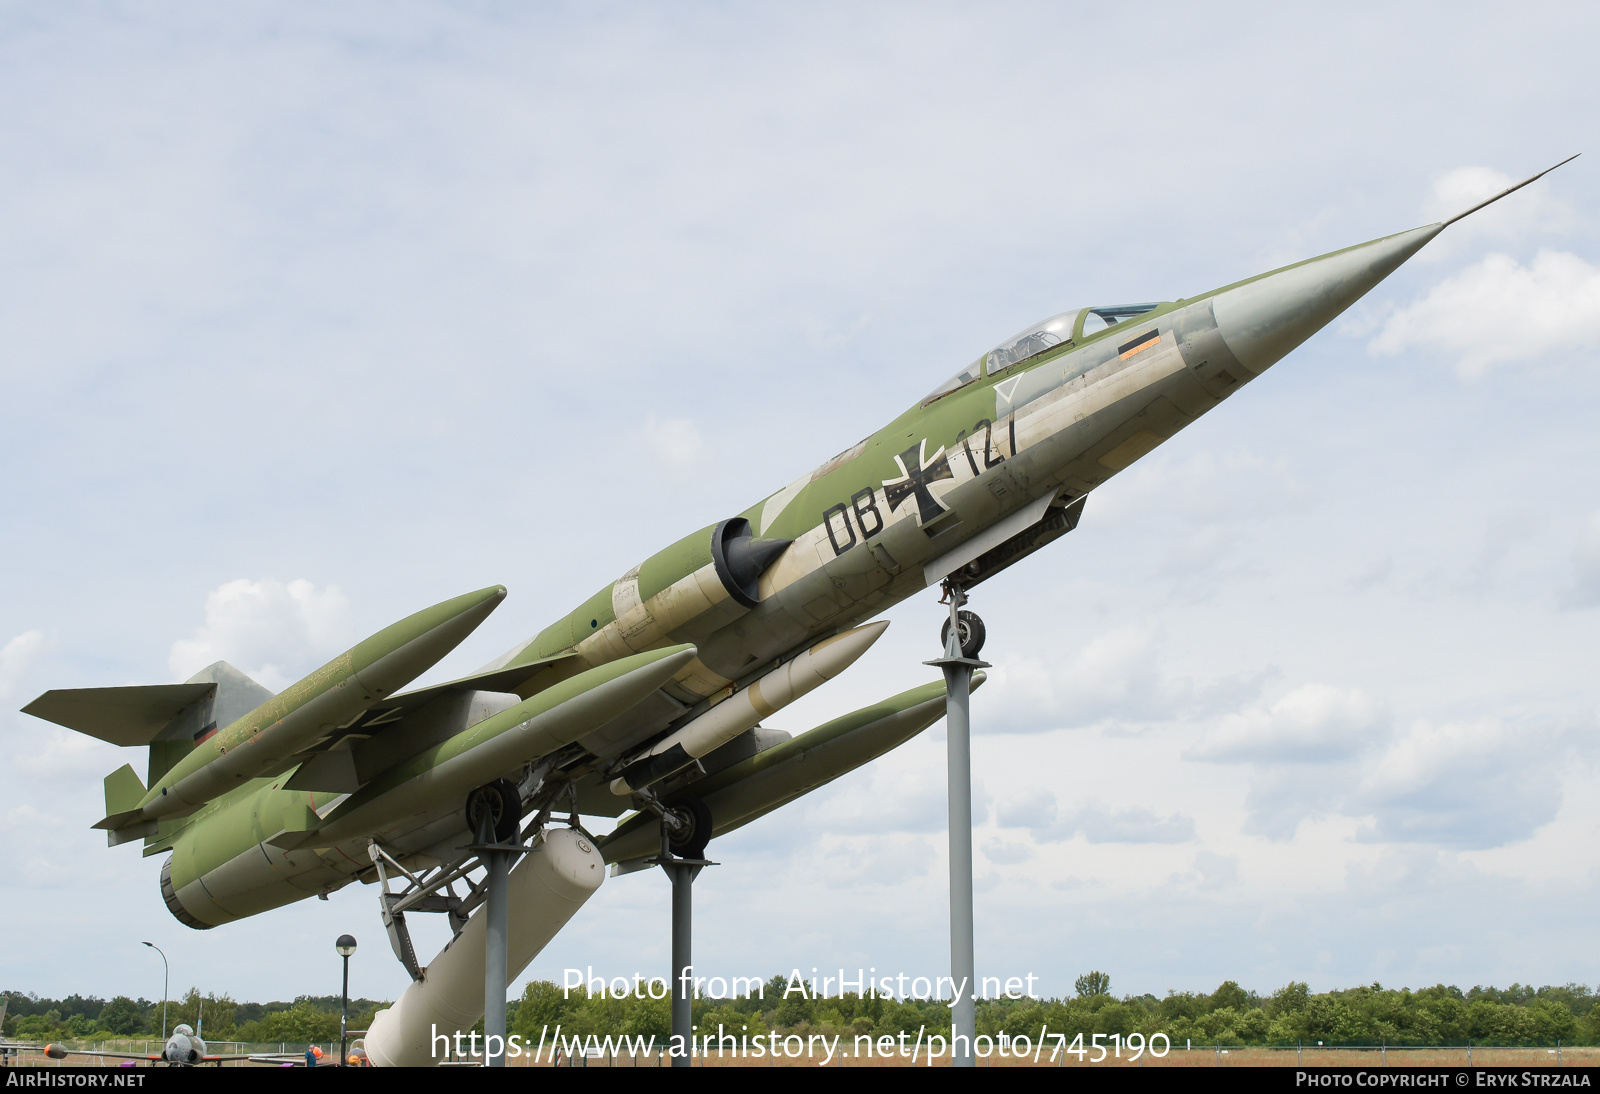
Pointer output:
x,y
15,657
271,630
1118,676
1500,311
675,441
1471,785
1512,217
1312,724
1037,811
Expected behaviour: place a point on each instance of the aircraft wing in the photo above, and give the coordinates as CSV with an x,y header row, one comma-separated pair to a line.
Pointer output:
x,y
333,775
61,1052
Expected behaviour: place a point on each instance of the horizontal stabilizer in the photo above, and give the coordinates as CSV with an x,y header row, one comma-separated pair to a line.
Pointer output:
x,y
124,791
124,820
119,716
299,828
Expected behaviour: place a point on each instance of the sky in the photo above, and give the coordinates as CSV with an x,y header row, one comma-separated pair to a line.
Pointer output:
x,y
313,315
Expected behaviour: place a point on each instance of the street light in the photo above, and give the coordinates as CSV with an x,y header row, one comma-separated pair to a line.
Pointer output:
x,y
346,945
166,978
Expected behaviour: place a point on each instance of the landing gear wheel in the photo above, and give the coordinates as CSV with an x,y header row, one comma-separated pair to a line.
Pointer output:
x,y
504,808
971,633
691,842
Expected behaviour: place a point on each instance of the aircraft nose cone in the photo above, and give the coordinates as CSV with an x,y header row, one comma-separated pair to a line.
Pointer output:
x,y
1262,320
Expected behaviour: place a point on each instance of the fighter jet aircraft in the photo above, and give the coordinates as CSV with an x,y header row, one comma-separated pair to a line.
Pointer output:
x,y
648,696
183,1048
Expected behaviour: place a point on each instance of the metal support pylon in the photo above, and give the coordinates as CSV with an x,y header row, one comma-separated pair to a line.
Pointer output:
x,y
495,941
958,671
682,871
496,857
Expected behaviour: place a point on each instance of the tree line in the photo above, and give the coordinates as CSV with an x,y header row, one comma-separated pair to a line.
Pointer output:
x,y
88,1018
1228,1016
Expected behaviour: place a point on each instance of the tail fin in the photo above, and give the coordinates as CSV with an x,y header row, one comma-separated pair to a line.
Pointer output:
x,y
170,718
232,696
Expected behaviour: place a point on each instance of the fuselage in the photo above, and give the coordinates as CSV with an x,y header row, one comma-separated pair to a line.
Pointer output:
x,y
954,488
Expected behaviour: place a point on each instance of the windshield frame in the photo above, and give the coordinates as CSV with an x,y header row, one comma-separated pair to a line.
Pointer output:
x,y
1039,328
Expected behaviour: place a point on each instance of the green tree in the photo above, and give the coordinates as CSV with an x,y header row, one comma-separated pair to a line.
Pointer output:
x,y
217,1012
123,1016
543,1004
1289,999
1092,983
1230,994
301,1023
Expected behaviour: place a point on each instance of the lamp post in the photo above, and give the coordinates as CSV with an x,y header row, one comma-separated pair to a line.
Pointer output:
x,y
166,978
345,947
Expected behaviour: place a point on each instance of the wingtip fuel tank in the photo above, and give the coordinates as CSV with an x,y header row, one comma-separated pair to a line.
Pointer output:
x,y
270,736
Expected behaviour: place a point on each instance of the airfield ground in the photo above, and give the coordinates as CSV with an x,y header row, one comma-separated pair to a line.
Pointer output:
x,y
1196,1057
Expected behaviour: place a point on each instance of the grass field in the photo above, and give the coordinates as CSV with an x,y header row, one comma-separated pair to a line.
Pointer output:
x,y
1178,1057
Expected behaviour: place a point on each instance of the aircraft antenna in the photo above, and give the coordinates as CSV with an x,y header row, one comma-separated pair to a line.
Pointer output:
x,y
1509,190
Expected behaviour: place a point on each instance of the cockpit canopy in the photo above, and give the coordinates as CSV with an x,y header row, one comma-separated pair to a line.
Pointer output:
x,y
1069,326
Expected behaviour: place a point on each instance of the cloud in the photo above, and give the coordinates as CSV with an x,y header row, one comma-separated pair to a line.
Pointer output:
x,y
1034,808
1116,676
1038,811
1208,488
1500,311
270,630
1459,190
1282,797
1135,825
675,441
1216,871
1468,785
1585,589
887,860
1002,853
15,657
1312,724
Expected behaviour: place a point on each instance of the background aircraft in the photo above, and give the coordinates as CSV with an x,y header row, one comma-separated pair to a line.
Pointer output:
x,y
649,695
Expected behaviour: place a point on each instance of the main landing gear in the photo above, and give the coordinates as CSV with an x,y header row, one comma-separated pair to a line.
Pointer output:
x,y
685,830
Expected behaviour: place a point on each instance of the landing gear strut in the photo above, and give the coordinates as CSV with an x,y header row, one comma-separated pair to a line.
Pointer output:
x,y
494,812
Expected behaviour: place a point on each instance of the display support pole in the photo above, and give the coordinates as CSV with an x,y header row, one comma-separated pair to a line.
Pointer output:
x,y
682,871
495,947
958,693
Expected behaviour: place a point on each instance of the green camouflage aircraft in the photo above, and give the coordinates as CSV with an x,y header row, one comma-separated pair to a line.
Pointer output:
x,y
648,696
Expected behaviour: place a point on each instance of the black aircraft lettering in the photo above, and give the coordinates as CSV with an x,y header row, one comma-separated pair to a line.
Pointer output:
x,y
866,494
828,514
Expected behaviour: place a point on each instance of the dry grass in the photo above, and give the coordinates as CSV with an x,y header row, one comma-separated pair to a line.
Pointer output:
x,y
1198,1057
1178,1057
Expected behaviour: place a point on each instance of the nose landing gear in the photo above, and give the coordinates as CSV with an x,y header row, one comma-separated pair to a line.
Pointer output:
x,y
969,631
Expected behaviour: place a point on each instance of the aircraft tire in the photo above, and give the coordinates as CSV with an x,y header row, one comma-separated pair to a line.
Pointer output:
x,y
971,633
505,803
692,844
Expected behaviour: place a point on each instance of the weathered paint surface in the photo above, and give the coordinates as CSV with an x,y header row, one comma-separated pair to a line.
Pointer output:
x,y
1012,436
